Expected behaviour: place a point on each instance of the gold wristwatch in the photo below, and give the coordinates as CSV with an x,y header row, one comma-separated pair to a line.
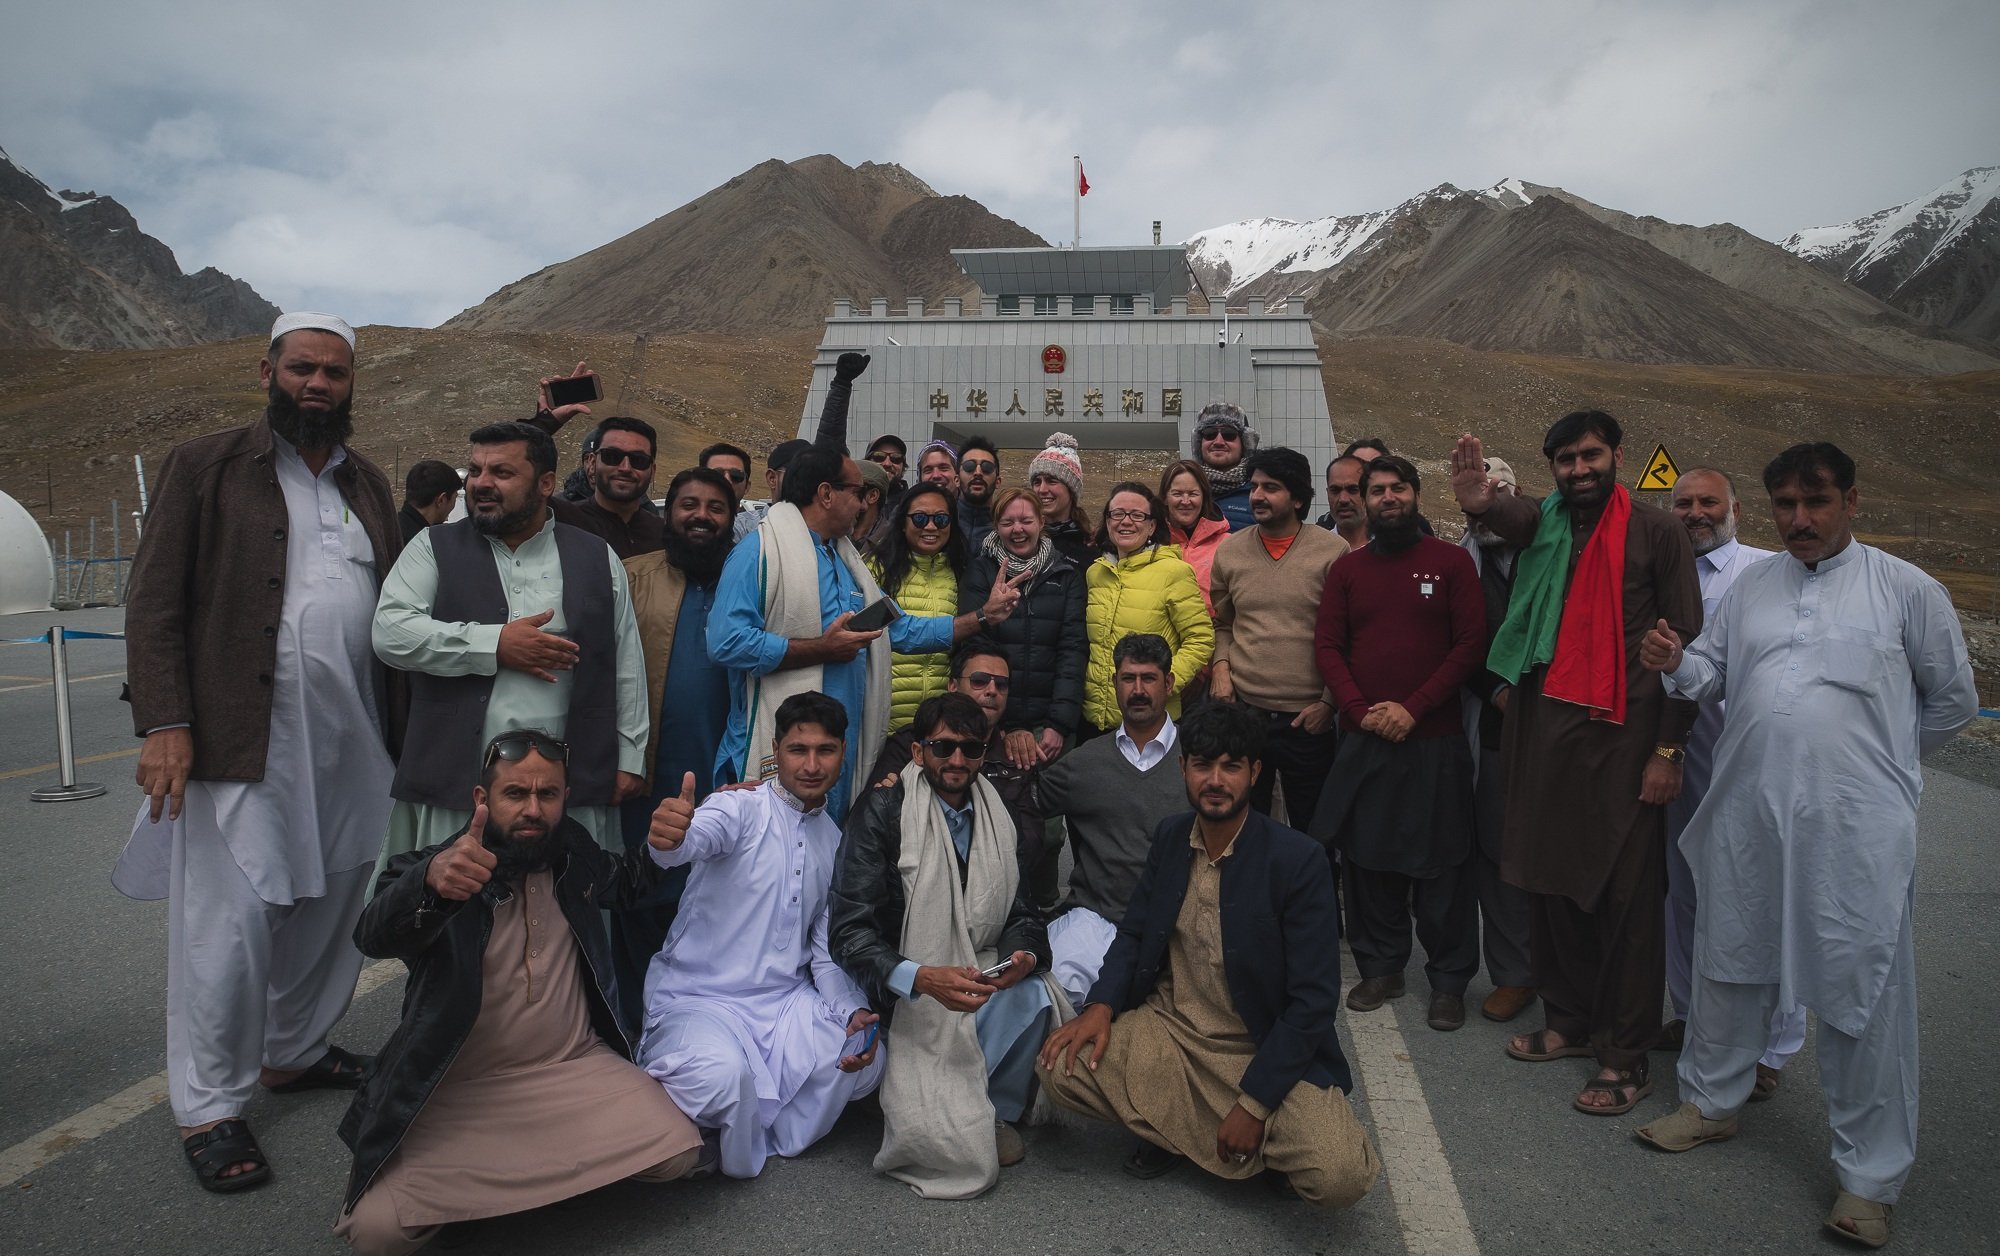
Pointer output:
x,y
1672,754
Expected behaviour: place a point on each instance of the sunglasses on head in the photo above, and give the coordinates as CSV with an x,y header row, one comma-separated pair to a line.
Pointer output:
x,y
513,747
943,747
979,680
921,519
639,459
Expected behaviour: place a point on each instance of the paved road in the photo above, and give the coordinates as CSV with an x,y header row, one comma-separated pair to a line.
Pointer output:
x,y
84,1011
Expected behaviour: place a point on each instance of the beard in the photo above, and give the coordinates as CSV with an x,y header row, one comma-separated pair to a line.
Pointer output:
x,y
1395,534
321,429
507,522
519,856
699,558
1719,535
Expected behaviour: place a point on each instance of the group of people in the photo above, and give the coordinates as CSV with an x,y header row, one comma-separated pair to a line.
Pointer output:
x,y
695,823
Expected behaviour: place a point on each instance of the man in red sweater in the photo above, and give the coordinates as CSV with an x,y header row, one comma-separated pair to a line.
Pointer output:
x,y
1402,625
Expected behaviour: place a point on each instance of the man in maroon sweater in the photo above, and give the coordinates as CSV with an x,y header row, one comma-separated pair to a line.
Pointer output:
x,y
1401,626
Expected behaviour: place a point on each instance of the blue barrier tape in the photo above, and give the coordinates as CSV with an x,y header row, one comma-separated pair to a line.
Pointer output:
x,y
71,633
1989,715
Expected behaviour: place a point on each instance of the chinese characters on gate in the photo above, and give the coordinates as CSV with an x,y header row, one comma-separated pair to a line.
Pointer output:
x,y
1131,401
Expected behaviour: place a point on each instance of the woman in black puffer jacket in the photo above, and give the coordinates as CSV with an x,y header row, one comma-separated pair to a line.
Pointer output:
x,y
1044,640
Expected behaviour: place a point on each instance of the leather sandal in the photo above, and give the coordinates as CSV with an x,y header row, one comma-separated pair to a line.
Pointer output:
x,y
215,1149
1685,1129
1638,1080
1540,1050
1871,1220
1766,1084
336,1070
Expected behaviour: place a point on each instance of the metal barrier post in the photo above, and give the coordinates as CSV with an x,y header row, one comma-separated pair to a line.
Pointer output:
x,y
70,790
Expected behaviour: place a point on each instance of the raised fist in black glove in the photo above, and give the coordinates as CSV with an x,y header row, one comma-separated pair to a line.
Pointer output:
x,y
850,366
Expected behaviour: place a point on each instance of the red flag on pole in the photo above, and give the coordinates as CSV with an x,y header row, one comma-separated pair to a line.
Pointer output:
x,y
1082,183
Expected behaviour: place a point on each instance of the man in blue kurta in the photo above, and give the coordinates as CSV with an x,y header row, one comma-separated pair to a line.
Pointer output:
x,y
779,623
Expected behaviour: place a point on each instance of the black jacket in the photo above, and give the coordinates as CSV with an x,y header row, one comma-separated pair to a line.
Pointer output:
x,y
444,944
1073,543
1046,642
1019,791
1280,948
865,906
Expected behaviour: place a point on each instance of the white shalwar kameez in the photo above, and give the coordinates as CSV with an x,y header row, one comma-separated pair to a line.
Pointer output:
x,y
1804,852
1718,570
264,879
746,1012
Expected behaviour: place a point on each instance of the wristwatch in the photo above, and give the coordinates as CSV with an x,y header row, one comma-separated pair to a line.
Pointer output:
x,y
980,615
1672,754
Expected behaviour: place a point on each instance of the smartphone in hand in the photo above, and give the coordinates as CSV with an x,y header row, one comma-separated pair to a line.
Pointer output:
x,y
998,969
877,614
573,390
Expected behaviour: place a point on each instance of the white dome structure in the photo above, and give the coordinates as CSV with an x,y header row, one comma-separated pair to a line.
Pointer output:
x,y
27,569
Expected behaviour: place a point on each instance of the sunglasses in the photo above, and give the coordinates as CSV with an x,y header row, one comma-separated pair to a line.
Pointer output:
x,y
921,519
735,475
1210,433
943,747
619,457
979,466
979,680
513,747
885,455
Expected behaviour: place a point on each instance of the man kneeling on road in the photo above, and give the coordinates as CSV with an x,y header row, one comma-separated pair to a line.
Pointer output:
x,y
1224,982
747,1015
932,917
508,1085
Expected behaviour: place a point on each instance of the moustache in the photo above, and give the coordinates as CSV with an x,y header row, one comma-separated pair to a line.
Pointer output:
x,y
1803,534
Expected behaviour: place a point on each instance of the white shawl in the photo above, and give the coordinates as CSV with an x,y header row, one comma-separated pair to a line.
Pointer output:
x,y
788,578
937,1123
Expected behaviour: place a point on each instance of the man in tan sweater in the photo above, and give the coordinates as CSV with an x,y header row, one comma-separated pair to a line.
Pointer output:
x,y
1266,586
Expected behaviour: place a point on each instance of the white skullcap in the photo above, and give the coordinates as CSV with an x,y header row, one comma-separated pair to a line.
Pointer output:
x,y
306,320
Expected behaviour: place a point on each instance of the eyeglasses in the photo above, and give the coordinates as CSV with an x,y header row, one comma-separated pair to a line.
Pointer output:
x,y
513,747
979,466
735,475
944,747
1128,516
921,519
855,488
980,680
614,457
1210,433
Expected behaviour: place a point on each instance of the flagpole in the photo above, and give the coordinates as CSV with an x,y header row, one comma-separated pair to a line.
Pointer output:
x,y
1076,202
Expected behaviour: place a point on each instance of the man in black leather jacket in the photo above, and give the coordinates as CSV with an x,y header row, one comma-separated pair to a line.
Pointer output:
x,y
495,1039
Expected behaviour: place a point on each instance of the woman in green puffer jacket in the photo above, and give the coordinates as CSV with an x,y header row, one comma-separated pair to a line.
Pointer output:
x,y
1139,583
920,562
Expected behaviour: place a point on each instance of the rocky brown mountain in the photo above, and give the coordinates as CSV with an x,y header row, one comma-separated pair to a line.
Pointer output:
x,y
76,272
768,251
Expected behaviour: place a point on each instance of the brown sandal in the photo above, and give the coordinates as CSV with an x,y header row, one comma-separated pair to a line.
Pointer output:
x,y
1766,1085
1540,1050
1638,1080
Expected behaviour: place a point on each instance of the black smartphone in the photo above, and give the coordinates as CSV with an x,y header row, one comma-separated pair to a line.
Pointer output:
x,y
573,390
878,614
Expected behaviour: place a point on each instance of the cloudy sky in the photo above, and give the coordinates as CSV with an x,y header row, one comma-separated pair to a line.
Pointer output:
x,y
399,161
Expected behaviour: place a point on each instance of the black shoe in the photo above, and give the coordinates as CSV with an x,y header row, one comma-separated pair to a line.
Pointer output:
x,y
1672,1035
1372,992
1148,1161
1447,1011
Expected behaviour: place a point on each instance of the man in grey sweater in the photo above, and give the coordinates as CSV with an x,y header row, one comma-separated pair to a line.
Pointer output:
x,y
1113,791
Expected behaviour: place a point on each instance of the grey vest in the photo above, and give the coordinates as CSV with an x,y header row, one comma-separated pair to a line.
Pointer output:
x,y
441,751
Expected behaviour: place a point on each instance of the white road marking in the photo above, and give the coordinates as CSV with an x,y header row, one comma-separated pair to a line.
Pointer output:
x,y
58,1140
1428,1208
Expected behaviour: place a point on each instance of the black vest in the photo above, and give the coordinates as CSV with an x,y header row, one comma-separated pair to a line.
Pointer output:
x,y
441,751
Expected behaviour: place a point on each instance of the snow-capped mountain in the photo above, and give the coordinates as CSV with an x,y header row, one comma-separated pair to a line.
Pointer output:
x,y
1936,257
1230,258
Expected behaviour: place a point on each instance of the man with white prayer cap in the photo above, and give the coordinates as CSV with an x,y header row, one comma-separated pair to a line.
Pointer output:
x,y
269,727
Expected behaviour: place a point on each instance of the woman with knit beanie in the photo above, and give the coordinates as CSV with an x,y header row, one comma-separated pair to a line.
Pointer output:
x,y
1140,584
1043,639
1193,519
1056,478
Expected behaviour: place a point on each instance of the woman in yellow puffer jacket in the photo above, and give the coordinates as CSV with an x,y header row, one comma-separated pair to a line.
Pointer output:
x,y
919,564
1140,584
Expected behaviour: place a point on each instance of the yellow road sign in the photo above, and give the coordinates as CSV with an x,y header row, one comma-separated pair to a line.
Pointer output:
x,y
1660,472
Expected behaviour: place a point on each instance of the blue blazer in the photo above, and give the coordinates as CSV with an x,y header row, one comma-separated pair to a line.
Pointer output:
x,y
1280,948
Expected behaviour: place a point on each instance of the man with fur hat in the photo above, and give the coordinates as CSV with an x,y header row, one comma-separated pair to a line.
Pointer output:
x,y
1223,438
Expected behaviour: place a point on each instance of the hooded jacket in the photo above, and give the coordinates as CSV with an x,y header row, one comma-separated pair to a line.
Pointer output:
x,y
1044,640
1154,591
